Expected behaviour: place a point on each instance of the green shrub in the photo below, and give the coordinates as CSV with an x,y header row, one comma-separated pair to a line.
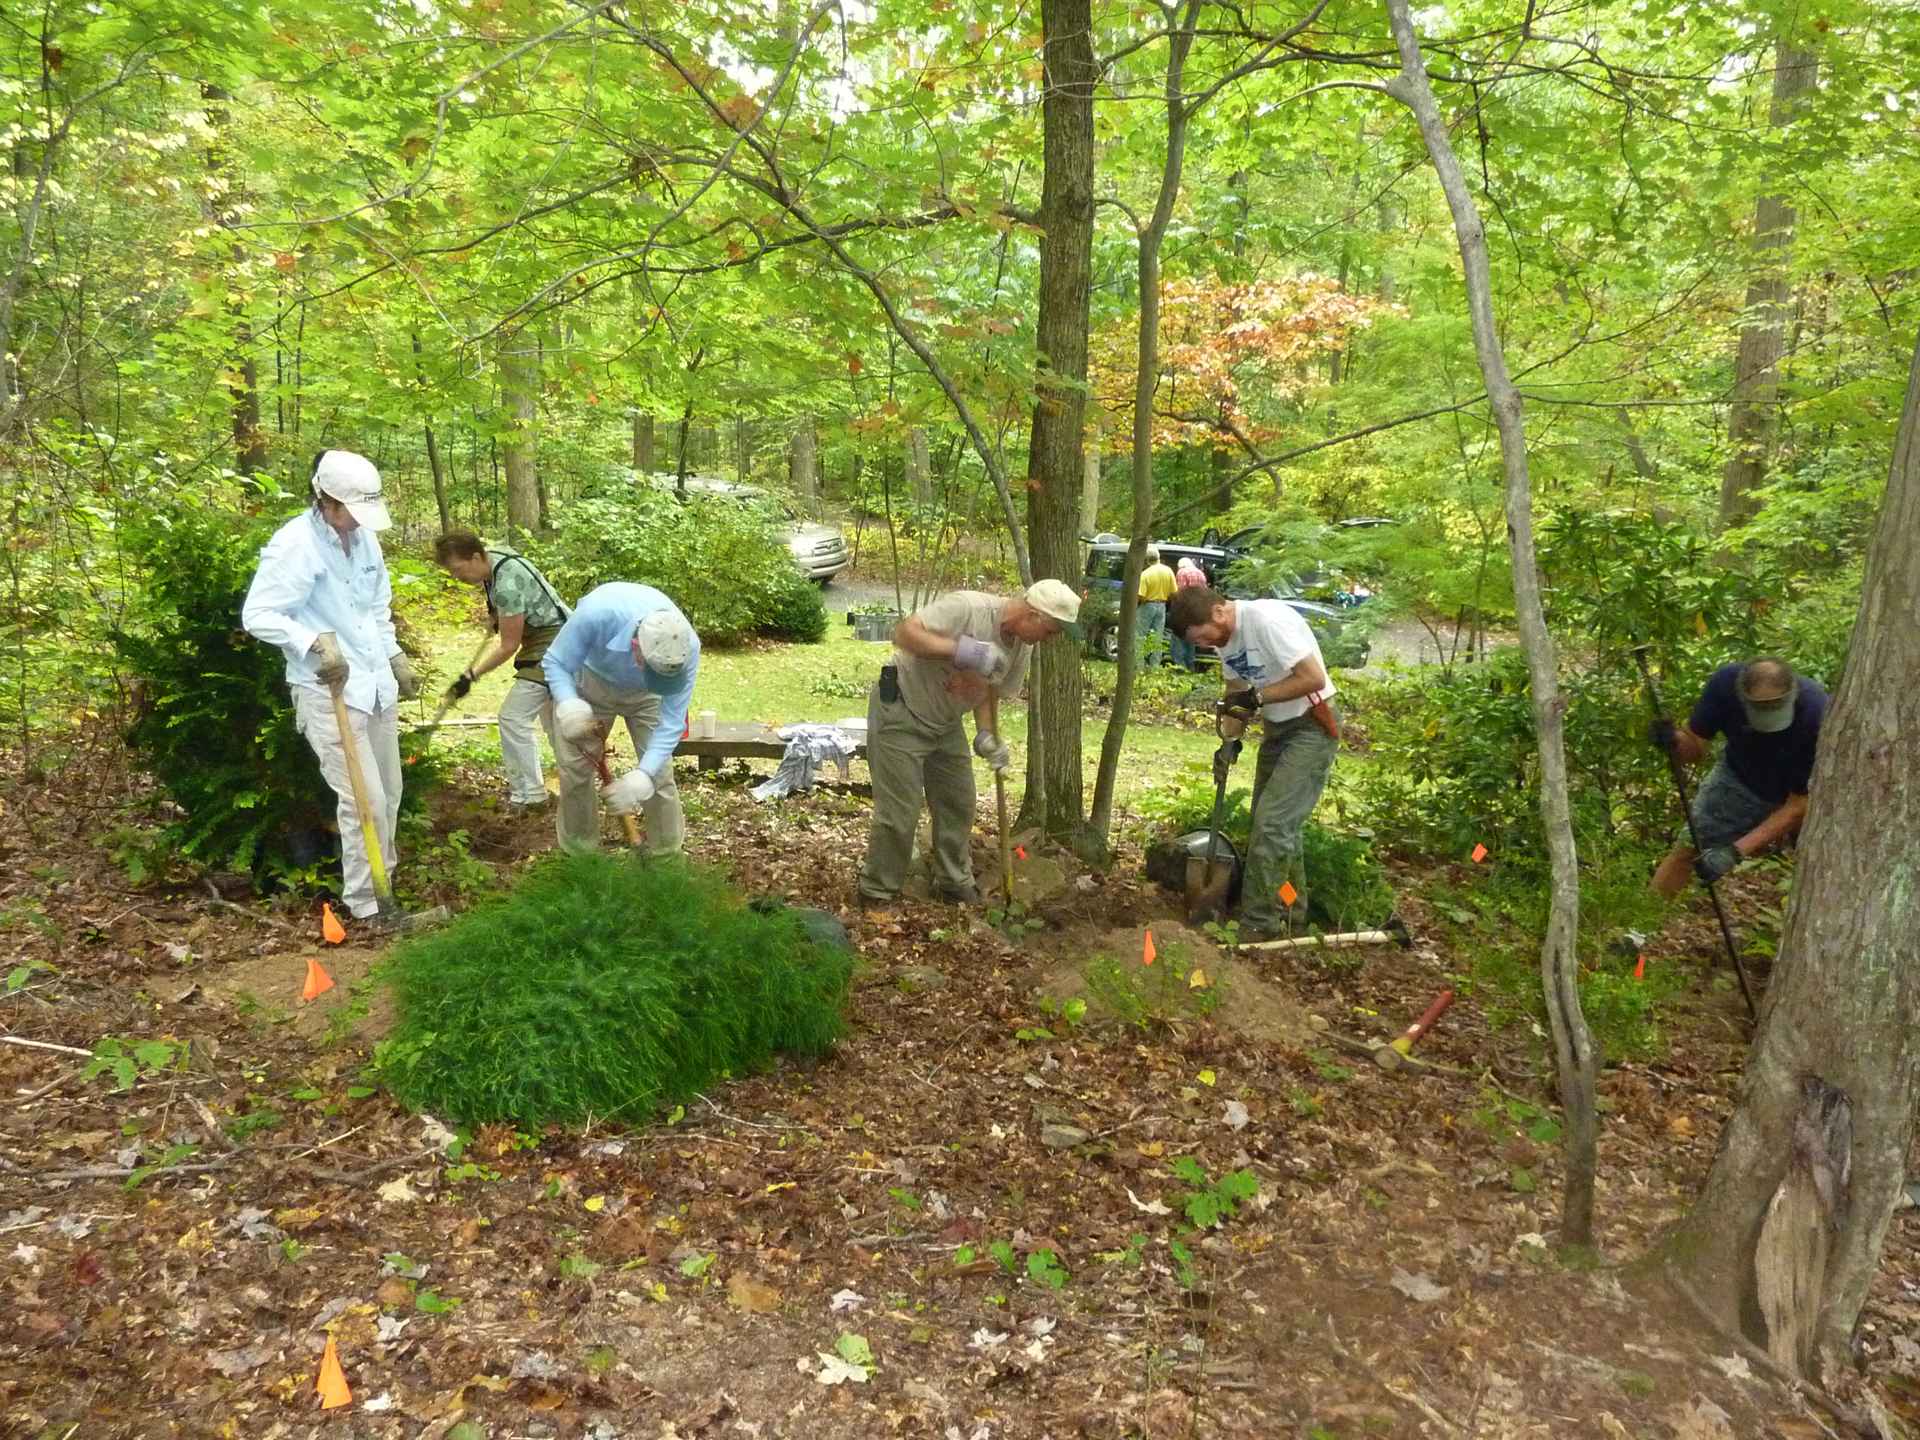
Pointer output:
x,y
1156,994
215,724
722,563
604,987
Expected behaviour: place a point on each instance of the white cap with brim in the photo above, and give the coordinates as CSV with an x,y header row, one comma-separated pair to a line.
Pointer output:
x,y
354,481
665,641
1055,600
1772,716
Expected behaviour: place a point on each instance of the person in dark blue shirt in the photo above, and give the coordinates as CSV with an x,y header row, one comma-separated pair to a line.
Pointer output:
x,y
1756,794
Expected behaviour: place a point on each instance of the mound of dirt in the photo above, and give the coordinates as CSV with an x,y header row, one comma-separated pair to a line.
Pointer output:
x,y
268,989
1252,1003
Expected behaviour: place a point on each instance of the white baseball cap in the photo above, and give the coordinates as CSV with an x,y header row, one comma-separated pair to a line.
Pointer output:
x,y
1055,600
354,481
665,641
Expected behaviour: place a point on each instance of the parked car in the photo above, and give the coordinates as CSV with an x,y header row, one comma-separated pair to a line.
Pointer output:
x,y
819,549
1340,645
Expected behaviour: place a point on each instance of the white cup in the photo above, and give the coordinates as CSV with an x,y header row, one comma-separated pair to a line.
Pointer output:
x,y
708,726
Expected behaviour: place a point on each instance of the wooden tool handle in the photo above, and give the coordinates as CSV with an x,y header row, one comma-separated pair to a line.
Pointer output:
x,y
357,781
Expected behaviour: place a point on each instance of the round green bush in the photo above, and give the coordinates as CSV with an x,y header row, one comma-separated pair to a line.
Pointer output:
x,y
604,987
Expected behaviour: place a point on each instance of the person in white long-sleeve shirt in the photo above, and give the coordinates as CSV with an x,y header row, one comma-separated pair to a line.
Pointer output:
x,y
323,596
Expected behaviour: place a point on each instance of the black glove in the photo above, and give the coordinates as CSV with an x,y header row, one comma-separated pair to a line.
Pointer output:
x,y
1715,861
458,690
1242,702
1660,733
1223,759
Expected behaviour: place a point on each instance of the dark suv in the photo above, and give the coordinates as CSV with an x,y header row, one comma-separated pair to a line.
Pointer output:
x,y
1106,567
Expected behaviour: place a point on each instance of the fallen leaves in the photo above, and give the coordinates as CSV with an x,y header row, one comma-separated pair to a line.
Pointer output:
x,y
1418,1286
752,1296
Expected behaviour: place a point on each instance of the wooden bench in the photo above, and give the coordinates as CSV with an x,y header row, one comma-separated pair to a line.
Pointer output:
x,y
741,742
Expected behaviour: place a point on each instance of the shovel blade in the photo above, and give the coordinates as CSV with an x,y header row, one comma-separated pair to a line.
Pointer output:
x,y
1207,888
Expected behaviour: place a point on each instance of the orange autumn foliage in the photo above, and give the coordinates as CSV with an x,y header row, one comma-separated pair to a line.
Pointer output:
x,y
1231,357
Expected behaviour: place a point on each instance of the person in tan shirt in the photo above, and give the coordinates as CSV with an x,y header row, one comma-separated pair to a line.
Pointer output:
x,y
947,657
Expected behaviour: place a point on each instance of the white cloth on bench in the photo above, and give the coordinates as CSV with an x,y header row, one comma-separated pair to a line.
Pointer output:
x,y
808,748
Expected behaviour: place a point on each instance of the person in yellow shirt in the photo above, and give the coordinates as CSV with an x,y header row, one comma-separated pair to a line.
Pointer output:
x,y
1156,589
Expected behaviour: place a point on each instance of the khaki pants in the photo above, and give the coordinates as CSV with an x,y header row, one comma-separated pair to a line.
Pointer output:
x,y
579,815
377,736
527,704
1296,756
912,765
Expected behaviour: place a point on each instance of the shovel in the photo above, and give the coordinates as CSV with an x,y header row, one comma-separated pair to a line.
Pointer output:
x,y
370,835
1000,798
1208,882
631,821
453,700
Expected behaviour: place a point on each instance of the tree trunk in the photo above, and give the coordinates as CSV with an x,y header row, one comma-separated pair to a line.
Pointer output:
x,y
742,447
919,468
1843,1006
519,386
1573,1046
643,441
1054,783
433,449
1146,377
1090,484
1752,418
804,461
243,372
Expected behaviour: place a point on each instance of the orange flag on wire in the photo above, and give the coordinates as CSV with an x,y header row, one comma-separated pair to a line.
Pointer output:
x,y
331,930
1287,893
1146,950
1640,968
1479,854
332,1383
318,981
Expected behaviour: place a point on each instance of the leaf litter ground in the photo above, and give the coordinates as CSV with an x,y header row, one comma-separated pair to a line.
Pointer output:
x,y
893,1219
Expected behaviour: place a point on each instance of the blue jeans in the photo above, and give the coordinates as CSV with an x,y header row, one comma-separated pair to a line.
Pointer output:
x,y
1151,625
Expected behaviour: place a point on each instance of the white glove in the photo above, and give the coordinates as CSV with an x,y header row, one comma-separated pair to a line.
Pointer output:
x,y
982,657
404,677
330,666
576,721
629,792
992,749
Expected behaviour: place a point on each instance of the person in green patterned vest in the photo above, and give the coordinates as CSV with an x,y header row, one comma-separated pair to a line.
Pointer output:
x,y
527,613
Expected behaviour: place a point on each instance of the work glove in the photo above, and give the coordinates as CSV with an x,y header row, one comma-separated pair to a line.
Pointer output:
x,y
982,657
404,677
460,687
1244,703
1715,861
1660,733
330,666
992,749
629,792
1223,760
576,721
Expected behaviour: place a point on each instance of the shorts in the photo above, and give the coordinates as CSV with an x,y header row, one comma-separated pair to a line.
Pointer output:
x,y
1724,809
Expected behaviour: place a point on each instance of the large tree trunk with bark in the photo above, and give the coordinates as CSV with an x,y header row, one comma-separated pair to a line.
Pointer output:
x,y
1752,418
519,391
1838,1029
1574,1052
1054,786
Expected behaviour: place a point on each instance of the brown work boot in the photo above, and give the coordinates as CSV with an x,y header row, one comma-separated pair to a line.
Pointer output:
x,y
875,904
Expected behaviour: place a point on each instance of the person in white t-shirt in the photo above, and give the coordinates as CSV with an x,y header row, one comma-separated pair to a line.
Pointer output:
x,y
1272,664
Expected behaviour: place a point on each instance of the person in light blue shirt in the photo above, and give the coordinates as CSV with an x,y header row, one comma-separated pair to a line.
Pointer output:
x,y
322,596
626,653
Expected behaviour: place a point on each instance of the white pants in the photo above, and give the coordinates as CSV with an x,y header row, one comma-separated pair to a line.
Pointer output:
x,y
527,703
378,737
578,821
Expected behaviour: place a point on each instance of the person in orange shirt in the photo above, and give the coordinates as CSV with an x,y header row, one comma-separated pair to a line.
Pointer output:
x,y
1156,589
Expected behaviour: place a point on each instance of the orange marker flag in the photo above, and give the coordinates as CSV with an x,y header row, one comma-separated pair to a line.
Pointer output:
x,y
1479,853
318,981
331,930
1146,950
1020,852
1640,968
1287,893
332,1383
